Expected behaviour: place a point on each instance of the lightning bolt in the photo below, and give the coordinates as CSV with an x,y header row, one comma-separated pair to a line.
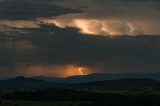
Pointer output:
x,y
80,71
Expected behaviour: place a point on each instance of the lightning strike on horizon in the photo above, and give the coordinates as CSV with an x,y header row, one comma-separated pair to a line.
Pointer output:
x,y
80,71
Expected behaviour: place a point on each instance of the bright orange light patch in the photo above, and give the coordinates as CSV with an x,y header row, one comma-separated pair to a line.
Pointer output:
x,y
58,71
80,71
73,70
105,27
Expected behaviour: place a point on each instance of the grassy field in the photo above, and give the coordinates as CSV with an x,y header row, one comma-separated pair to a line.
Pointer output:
x,y
29,103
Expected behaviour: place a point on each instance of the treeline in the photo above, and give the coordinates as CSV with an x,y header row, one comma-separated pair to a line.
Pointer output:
x,y
85,98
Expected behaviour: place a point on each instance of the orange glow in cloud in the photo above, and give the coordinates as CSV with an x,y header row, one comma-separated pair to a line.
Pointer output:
x,y
85,26
58,71
80,71
98,26
73,70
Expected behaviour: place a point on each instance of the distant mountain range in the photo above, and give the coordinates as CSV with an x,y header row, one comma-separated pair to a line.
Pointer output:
x,y
120,84
101,77
89,82
22,83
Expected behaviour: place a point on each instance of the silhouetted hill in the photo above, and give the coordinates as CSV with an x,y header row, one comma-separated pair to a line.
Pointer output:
x,y
120,84
22,83
101,77
49,79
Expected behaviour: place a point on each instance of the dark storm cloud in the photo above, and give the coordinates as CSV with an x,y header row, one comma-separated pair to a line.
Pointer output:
x,y
118,8
135,16
25,42
31,9
49,45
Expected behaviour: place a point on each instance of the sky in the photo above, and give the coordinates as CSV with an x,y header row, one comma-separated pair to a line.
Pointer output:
x,y
62,38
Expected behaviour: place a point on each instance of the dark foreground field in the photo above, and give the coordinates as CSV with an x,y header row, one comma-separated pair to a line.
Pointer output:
x,y
69,97
34,103
122,92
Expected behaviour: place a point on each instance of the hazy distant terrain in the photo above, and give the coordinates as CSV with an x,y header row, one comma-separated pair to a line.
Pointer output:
x,y
100,77
100,82
45,91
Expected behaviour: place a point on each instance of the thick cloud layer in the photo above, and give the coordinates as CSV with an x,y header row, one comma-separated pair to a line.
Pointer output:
x,y
49,46
40,37
134,16
31,9
108,17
